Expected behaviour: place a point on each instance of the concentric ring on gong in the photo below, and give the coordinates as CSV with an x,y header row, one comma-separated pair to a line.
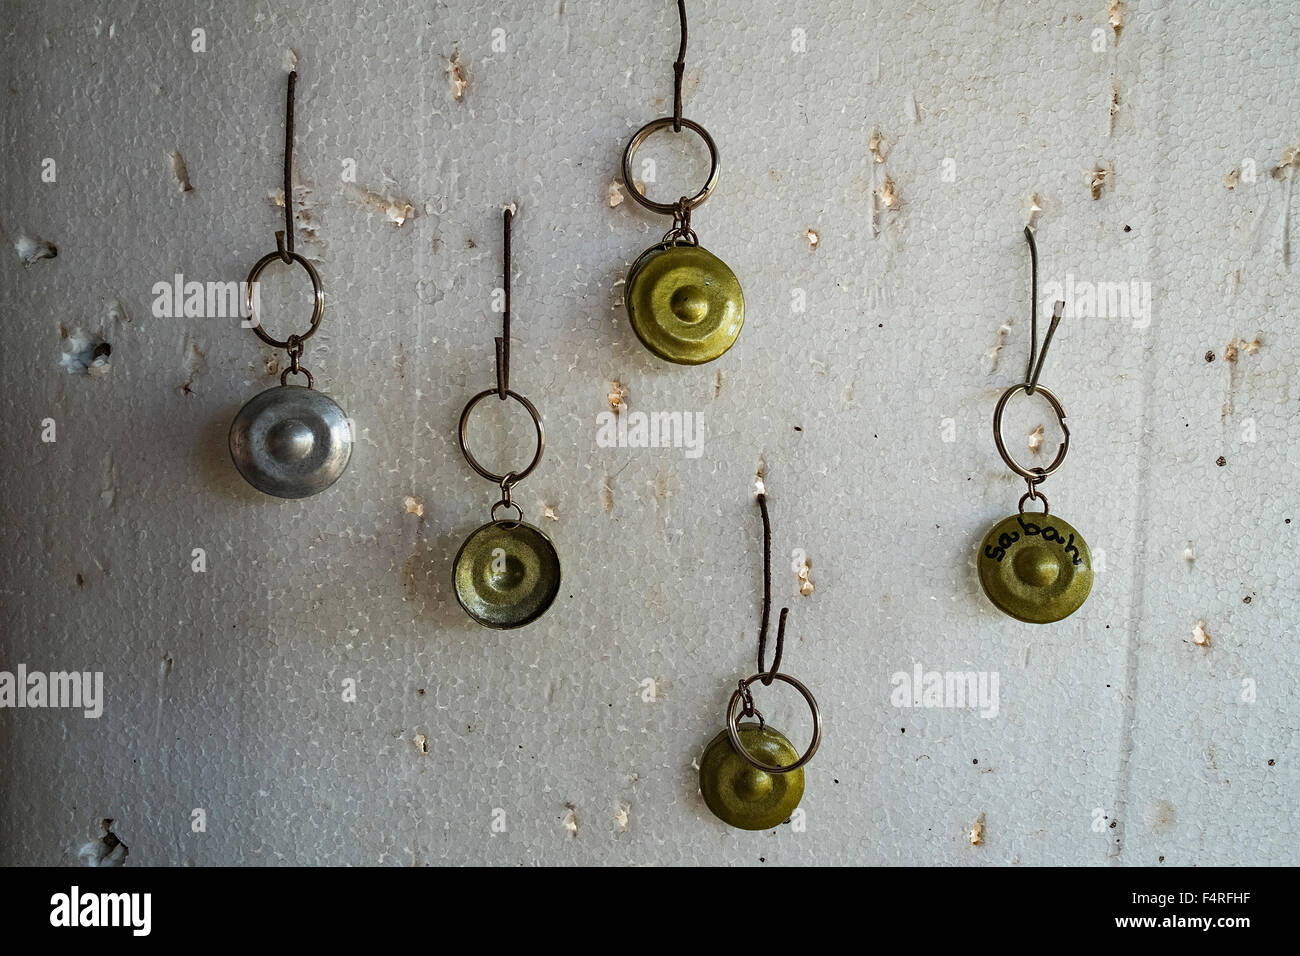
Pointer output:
x,y
290,441
737,792
684,303
506,574
1035,568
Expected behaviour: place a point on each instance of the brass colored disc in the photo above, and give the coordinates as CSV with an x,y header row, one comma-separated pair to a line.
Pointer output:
x,y
506,574
1035,567
685,305
741,795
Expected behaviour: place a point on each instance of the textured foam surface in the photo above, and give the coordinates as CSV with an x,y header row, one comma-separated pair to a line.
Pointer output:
x,y
1117,737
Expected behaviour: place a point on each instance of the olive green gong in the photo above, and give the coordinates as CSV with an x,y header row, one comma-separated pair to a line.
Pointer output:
x,y
684,303
741,795
506,574
1035,567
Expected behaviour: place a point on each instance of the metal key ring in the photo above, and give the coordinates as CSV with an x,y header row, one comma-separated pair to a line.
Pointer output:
x,y
1030,474
537,424
641,135
316,313
733,732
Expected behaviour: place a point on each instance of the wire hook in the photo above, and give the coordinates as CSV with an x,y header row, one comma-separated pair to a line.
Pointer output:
x,y
1032,370
284,239
764,674
503,340
679,68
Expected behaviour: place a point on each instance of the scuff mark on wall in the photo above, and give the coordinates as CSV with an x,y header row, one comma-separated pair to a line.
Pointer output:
x,y
995,353
884,194
1035,207
875,146
85,353
1097,181
194,363
395,209
108,489
304,210
33,249
180,171
888,193
802,572
1290,160
108,850
1231,353
1237,346
1161,816
457,76
1116,17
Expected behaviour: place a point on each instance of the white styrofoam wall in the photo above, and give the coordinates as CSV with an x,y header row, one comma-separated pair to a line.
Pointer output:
x,y
224,688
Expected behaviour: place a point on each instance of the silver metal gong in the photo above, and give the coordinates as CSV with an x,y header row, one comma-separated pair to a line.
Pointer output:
x,y
290,441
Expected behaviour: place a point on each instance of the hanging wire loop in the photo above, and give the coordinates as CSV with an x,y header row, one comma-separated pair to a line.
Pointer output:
x,y
768,676
503,340
284,240
679,69
1035,367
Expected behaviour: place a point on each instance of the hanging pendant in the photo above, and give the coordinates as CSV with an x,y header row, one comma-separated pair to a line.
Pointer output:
x,y
506,574
684,303
751,776
741,795
291,441
1035,568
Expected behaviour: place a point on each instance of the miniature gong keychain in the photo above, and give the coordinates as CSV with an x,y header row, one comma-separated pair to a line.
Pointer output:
x,y
291,441
751,776
684,303
507,573
1033,568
